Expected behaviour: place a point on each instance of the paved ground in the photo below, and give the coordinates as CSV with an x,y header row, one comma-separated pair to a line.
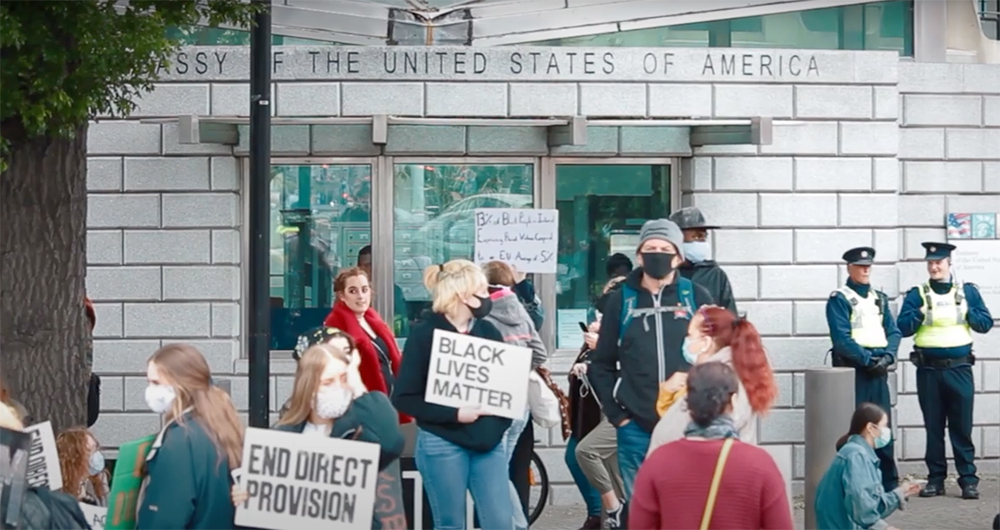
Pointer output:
x,y
948,512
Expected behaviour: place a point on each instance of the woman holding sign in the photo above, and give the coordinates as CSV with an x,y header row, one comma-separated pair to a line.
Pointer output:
x,y
188,466
458,449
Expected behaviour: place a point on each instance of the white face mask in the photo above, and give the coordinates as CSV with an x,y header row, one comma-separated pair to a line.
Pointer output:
x,y
332,402
95,464
160,397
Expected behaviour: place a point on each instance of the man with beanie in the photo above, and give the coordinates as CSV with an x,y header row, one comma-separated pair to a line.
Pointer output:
x,y
642,331
697,266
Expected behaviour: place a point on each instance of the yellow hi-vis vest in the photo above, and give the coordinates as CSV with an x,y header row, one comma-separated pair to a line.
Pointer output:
x,y
944,324
866,319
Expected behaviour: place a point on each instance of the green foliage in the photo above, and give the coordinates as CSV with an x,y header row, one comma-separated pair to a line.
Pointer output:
x,y
62,63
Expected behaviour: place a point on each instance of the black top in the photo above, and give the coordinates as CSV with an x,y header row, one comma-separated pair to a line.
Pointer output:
x,y
383,361
481,435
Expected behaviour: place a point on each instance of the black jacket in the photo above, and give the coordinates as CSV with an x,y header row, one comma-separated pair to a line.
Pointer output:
x,y
709,275
408,396
627,377
371,419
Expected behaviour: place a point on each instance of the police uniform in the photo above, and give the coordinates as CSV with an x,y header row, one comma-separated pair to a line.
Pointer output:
x,y
865,337
941,316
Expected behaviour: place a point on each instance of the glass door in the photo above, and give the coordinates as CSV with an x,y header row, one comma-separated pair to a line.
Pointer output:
x,y
321,220
434,203
601,207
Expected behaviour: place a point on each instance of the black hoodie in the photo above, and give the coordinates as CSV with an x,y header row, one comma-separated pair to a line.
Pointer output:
x,y
709,275
627,377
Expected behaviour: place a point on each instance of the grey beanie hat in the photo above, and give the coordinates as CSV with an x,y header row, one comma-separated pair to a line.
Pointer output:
x,y
664,229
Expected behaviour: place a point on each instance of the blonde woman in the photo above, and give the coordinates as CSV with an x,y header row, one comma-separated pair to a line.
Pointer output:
x,y
202,440
458,450
329,399
82,463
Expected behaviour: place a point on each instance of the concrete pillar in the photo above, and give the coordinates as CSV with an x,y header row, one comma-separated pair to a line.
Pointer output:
x,y
829,407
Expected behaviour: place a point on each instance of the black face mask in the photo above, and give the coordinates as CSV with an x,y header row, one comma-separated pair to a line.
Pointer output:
x,y
485,306
657,264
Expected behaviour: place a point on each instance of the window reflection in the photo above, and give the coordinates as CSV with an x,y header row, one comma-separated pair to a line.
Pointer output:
x,y
434,219
601,209
873,26
320,223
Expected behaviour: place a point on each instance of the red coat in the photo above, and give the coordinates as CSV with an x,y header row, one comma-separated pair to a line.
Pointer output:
x,y
341,317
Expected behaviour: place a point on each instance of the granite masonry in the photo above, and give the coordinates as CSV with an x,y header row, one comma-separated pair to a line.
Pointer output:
x,y
867,149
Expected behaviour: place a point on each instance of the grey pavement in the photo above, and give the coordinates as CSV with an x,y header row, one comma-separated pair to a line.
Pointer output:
x,y
948,512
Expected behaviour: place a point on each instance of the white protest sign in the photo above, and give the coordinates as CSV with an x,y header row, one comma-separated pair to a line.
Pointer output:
x,y
977,261
43,459
95,515
467,371
526,239
297,482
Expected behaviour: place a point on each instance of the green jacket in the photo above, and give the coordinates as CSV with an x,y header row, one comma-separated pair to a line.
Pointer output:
x,y
377,420
189,483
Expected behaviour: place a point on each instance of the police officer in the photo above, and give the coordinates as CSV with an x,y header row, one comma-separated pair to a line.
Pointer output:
x,y
865,337
941,315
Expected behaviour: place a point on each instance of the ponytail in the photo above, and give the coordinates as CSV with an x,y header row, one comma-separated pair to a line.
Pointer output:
x,y
842,441
752,365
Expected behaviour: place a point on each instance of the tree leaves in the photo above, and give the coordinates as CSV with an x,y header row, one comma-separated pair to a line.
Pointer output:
x,y
63,63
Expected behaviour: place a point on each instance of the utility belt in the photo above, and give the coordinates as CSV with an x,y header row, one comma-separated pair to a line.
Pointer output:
x,y
839,361
922,360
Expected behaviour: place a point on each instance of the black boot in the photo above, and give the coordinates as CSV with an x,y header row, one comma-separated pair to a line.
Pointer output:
x,y
970,492
932,490
593,522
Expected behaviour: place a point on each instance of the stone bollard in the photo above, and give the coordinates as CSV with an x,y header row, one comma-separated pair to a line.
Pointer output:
x,y
829,407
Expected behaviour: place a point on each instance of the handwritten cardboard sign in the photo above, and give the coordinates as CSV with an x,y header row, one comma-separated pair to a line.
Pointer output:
x,y
526,239
130,469
390,510
95,515
468,371
297,481
43,459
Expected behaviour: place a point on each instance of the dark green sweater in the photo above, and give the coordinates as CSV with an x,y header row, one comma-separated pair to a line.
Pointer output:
x,y
481,435
188,482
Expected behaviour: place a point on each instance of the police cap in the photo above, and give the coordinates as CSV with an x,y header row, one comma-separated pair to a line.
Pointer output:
x,y
860,256
937,251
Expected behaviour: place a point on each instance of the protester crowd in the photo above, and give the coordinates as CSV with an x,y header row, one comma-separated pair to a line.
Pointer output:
x,y
660,419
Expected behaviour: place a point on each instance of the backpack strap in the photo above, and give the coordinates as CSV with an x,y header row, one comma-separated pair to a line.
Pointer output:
x,y
629,299
685,293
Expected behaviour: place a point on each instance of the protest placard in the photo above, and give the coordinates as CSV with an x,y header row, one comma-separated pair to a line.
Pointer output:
x,y
526,239
43,461
468,371
297,482
95,515
126,483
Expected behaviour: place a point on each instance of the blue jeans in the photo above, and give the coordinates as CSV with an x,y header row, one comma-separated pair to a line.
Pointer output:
x,y
510,442
633,442
590,496
448,471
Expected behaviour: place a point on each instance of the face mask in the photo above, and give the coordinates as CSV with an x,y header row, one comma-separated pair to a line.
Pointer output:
x,y
160,397
95,464
333,402
485,306
884,437
690,355
696,251
657,264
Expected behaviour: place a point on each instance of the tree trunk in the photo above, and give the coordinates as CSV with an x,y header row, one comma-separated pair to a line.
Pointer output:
x,y
44,334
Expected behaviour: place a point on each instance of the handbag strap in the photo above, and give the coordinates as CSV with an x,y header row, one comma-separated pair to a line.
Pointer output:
x,y
713,491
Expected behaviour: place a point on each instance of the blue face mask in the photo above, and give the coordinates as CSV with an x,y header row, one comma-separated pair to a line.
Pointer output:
x,y
690,356
884,437
696,251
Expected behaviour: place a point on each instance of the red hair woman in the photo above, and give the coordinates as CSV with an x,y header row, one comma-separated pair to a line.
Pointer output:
x,y
353,313
717,335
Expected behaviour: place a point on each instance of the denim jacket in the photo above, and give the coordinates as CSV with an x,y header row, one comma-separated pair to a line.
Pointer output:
x,y
850,495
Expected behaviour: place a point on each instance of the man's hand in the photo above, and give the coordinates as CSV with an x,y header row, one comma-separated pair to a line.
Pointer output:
x,y
624,422
881,365
579,369
590,339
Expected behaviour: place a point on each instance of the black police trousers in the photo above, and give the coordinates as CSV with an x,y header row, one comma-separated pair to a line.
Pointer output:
x,y
946,398
875,389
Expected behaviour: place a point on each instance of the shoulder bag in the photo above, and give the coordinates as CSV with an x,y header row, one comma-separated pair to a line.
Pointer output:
x,y
713,491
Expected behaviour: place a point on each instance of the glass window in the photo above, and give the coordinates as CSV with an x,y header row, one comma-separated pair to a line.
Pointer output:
x,y
874,26
434,207
601,209
320,222
209,36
